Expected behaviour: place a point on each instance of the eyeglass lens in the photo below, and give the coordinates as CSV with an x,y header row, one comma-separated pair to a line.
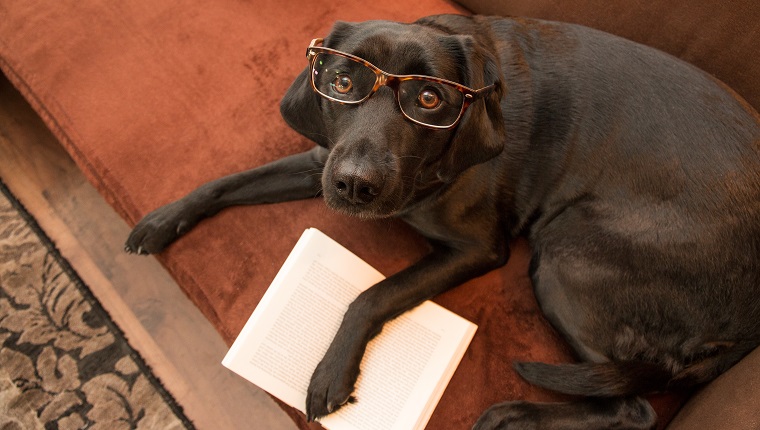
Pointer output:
x,y
346,80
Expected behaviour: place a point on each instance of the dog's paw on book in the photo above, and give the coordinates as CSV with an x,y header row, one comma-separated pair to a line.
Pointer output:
x,y
405,369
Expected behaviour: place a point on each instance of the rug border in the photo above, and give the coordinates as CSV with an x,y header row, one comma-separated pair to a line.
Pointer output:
x,y
175,407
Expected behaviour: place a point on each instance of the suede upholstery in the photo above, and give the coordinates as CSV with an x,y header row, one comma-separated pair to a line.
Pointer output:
x,y
153,99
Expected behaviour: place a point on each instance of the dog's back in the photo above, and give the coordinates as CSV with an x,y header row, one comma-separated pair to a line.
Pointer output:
x,y
642,206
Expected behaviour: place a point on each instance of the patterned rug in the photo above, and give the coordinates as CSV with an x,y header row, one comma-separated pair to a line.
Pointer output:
x,y
64,364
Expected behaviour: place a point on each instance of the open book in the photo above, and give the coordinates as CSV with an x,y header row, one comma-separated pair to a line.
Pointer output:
x,y
405,369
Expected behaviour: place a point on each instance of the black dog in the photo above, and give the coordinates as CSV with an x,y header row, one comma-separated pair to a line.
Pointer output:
x,y
635,176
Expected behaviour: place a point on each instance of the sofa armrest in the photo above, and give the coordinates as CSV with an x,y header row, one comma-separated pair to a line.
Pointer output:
x,y
730,402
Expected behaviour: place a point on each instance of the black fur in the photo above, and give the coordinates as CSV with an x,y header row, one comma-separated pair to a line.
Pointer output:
x,y
635,176
608,379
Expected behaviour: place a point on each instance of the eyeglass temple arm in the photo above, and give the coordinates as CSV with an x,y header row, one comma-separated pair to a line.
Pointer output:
x,y
485,90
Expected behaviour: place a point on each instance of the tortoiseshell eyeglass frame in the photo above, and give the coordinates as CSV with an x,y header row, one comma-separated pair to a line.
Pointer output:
x,y
392,81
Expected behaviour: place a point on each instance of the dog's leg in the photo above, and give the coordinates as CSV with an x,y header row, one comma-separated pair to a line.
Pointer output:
x,y
291,178
631,413
333,380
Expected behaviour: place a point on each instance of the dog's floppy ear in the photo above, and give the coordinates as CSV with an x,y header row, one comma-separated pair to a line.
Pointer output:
x,y
301,109
480,135
301,106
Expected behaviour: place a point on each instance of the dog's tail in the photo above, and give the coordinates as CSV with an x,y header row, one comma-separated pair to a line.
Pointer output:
x,y
608,379
613,379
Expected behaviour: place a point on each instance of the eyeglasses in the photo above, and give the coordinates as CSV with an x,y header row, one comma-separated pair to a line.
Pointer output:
x,y
425,100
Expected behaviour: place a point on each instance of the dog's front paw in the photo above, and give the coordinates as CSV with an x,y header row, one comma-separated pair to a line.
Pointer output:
x,y
508,415
158,229
330,388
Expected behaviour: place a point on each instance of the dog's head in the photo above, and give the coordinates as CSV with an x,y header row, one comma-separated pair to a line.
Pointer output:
x,y
380,159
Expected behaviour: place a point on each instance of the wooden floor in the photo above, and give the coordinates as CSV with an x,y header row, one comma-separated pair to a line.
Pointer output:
x,y
174,338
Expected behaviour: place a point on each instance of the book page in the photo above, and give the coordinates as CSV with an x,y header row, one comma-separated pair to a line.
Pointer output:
x,y
405,369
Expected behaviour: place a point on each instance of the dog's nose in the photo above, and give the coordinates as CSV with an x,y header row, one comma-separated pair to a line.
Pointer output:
x,y
356,188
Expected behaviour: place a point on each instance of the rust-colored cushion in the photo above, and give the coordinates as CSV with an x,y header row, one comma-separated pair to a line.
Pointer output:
x,y
155,98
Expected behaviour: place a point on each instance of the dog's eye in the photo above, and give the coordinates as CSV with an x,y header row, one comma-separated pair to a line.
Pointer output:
x,y
428,99
342,84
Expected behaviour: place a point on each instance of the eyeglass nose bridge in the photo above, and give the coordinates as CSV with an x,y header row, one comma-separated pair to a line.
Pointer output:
x,y
385,79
